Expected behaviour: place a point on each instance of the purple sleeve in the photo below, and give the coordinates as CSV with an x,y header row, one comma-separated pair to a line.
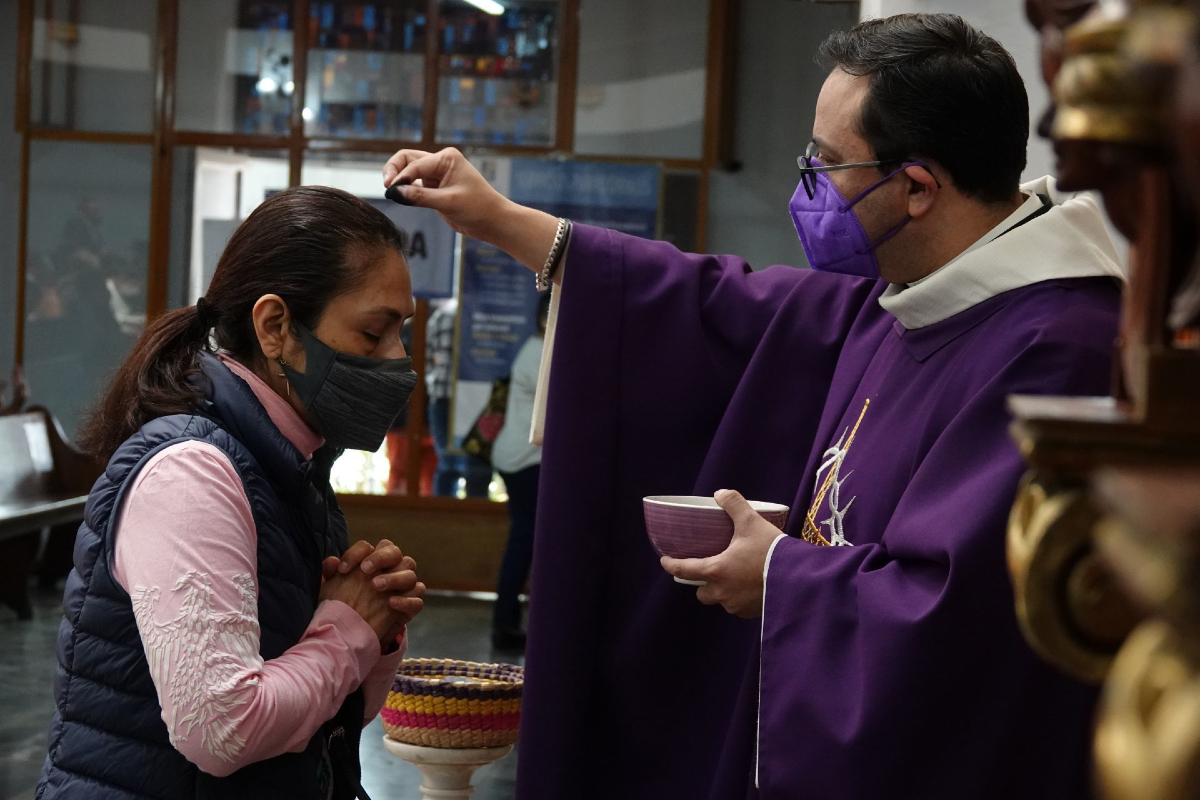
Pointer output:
x,y
666,340
669,296
877,645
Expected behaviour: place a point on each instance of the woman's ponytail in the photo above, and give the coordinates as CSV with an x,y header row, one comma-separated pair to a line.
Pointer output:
x,y
154,380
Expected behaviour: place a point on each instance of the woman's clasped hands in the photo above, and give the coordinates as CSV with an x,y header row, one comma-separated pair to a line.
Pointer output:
x,y
379,582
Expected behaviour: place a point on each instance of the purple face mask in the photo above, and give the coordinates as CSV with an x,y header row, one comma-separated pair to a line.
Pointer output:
x,y
833,238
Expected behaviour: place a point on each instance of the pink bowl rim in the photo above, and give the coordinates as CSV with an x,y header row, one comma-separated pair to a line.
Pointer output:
x,y
700,502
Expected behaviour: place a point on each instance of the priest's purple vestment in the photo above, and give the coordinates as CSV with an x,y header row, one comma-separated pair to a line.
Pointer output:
x,y
889,665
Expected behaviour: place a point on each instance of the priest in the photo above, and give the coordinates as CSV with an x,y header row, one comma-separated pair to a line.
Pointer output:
x,y
871,651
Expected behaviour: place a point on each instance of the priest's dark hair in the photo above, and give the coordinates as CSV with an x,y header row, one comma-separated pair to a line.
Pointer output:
x,y
939,89
308,244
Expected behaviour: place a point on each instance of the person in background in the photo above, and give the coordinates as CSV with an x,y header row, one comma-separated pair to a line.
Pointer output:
x,y
82,232
397,441
97,276
439,362
519,462
221,639
439,386
43,290
84,265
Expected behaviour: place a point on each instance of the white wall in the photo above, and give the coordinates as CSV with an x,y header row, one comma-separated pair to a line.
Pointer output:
x,y
1004,21
205,101
641,77
778,81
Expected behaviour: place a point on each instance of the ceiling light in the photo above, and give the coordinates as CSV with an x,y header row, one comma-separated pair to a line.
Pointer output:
x,y
488,6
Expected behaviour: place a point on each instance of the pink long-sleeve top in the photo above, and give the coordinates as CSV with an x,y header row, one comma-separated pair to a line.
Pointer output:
x,y
186,551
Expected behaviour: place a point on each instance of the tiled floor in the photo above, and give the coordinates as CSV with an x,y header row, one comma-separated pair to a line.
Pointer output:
x,y
449,627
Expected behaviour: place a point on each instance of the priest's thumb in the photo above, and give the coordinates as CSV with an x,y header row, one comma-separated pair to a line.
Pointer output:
x,y
736,507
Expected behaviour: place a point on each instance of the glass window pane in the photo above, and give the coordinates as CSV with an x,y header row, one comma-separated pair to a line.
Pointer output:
x,y
234,66
497,73
212,191
85,295
93,65
642,78
366,69
10,196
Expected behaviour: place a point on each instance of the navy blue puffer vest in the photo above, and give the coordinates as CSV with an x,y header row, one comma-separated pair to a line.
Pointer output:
x,y
107,737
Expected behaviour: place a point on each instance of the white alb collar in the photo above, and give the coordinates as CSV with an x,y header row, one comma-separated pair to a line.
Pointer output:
x,y
1070,240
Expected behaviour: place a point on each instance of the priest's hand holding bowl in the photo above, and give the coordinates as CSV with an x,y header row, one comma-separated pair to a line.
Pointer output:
x,y
733,578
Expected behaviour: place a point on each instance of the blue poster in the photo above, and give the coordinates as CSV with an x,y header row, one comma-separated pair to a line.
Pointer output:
x,y
498,301
496,309
623,197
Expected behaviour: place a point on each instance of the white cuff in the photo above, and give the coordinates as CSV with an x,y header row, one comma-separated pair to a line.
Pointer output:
x,y
767,563
538,426
761,630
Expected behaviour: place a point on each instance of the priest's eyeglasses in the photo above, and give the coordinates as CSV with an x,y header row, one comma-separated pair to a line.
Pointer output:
x,y
808,172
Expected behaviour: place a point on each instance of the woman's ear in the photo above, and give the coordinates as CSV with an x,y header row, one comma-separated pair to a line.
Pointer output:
x,y
922,189
272,325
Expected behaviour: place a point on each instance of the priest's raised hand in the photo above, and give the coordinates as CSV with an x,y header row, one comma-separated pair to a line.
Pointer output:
x,y
733,579
449,184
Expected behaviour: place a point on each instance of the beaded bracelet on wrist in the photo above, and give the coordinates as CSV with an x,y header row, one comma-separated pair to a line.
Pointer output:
x,y
555,255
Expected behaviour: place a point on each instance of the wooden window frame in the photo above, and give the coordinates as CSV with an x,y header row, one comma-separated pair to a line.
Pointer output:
x,y
164,138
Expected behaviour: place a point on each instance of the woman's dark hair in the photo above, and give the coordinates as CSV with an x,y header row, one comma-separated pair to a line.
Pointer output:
x,y
307,244
942,90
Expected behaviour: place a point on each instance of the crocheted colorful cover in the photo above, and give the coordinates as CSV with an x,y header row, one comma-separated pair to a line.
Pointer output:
x,y
454,704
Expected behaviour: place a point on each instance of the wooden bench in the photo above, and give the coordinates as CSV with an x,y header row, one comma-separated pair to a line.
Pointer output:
x,y
44,482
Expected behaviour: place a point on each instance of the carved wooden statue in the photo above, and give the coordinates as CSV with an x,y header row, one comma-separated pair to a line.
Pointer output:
x,y
1105,534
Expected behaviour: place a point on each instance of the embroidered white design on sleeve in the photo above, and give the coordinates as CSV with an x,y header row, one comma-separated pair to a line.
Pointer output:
x,y
200,659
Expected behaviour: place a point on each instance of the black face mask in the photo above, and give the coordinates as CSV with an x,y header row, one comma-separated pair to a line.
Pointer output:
x,y
355,399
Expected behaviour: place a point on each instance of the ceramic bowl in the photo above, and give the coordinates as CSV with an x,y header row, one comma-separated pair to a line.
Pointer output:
x,y
696,527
